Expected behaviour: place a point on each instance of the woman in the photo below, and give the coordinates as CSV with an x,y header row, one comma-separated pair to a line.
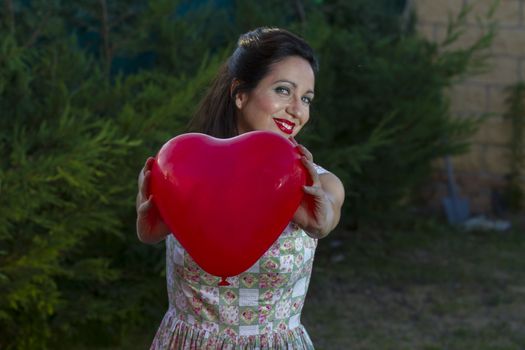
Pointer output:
x,y
267,84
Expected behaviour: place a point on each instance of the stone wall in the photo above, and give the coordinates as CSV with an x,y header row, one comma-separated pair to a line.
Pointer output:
x,y
481,172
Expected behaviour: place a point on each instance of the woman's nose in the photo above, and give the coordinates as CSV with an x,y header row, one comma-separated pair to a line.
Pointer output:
x,y
296,108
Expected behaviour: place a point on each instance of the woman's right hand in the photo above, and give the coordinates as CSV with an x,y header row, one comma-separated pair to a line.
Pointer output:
x,y
150,226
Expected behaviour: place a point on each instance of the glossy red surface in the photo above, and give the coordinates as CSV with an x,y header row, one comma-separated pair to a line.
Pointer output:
x,y
227,200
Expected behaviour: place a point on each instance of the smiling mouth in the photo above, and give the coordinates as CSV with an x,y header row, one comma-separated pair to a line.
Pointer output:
x,y
284,125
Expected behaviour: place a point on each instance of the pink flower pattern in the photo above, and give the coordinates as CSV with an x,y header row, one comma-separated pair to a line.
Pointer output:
x,y
229,315
248,280
203,315
248,316
229,296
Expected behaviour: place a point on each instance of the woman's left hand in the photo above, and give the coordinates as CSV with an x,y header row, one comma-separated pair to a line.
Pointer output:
x,y
320,209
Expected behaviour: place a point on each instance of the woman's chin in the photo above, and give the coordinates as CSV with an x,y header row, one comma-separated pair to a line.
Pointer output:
x,y
279,132
286,135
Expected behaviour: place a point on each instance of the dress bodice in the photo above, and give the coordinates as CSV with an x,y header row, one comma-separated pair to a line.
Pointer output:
x,y
260,309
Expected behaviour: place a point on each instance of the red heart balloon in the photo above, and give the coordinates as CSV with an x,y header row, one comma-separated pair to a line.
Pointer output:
x,y
227,200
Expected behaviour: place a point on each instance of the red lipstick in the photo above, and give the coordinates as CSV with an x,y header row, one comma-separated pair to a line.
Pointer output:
x,y
284,125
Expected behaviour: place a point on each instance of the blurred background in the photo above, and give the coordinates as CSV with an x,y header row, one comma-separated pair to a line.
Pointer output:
x,y
419,109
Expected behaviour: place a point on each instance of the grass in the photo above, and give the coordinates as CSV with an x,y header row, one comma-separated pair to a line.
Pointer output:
x,y
425,287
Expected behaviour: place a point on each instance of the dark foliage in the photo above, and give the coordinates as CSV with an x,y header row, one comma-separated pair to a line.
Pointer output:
x,y
89,89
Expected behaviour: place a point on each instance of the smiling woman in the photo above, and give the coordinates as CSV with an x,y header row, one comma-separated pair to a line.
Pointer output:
x,y
270,68
267,84
281,100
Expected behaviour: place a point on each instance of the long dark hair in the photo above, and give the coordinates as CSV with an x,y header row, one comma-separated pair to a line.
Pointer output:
x,y
256,51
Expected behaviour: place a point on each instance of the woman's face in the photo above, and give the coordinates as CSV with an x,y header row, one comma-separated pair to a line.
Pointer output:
x,y
281,100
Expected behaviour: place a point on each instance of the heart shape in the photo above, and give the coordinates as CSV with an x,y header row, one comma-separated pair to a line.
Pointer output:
x,y
227,200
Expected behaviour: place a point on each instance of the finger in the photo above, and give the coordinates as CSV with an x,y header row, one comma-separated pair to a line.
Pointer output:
x,y
145,207
149,163
306,152
293,141
311,169
144,187
147,166
314,190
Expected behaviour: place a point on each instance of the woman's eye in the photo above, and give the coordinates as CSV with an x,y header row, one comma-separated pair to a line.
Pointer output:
x,y
282,90
307,100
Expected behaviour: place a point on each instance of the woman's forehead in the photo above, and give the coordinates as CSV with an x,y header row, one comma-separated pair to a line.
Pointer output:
x,y
295,70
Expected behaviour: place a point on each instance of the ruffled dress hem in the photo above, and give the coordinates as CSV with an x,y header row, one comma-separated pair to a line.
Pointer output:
x,y
176,334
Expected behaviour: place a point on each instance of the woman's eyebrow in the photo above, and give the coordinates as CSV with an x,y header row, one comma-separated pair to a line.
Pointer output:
x,y
291,83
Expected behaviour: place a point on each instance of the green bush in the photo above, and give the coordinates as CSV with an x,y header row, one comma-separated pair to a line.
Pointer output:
x,y
381,117
73,138
82,106
59,192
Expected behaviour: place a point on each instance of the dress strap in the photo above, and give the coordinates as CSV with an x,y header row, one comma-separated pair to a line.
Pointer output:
x,y
320,170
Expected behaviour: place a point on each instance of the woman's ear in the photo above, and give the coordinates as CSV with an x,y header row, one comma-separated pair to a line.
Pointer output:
x,y
239,97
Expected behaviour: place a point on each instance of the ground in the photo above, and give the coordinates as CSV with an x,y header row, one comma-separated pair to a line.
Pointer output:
x,y
427,287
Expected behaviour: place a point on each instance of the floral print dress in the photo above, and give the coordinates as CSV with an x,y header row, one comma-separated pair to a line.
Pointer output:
x,y
260,309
